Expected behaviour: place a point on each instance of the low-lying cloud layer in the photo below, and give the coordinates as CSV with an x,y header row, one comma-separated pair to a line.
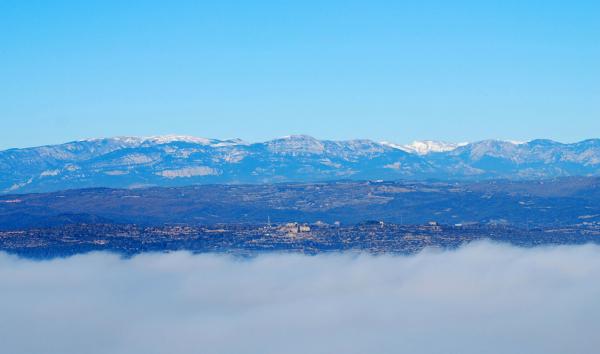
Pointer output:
x,y
483,298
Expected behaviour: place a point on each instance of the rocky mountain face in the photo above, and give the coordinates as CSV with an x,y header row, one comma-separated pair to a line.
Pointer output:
x,y
181,160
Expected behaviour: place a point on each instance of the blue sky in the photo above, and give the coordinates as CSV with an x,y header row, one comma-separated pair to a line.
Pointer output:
x,y
385,70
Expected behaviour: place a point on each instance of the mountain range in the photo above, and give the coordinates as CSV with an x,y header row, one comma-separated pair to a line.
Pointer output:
x,y
130,162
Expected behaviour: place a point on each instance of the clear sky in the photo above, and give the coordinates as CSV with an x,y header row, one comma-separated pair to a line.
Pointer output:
x,y
385,70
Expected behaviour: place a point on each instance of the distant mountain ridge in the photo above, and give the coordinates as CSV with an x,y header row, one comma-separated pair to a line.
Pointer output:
x,y
424,147
127,162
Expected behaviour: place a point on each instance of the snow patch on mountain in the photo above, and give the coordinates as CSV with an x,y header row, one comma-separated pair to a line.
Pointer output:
x,y
168,139
394,166
188,172
116,173
48,173
424,147
136,159
18,186
329,163
393,145
231,142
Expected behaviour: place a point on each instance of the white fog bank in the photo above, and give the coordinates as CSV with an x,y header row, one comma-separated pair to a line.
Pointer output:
x,y
483,298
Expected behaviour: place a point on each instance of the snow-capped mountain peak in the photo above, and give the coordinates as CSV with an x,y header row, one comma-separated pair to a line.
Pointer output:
x,y
393,145
424,147
166,139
